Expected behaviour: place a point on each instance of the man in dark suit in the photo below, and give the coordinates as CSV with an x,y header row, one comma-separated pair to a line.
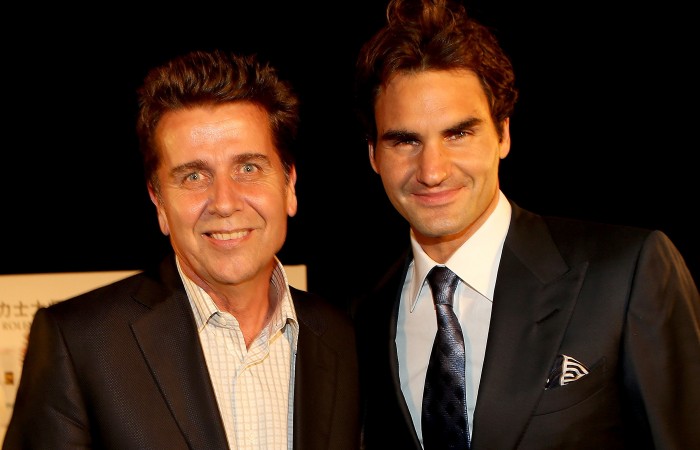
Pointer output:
x,y
576,334
213,349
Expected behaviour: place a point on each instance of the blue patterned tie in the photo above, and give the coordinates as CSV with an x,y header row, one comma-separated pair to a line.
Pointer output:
x,y
444,421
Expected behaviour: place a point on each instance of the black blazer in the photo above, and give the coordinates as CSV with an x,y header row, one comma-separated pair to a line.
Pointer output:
x,y
618,299
122,367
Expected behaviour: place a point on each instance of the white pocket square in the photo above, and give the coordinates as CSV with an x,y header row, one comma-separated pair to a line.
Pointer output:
x,y
564,371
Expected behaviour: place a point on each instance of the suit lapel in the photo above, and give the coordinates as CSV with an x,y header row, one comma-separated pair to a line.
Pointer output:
x,y
168,339
533,301
315,380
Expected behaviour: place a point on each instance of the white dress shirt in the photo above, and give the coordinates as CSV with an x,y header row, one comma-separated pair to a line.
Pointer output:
x,y
254,386
476,263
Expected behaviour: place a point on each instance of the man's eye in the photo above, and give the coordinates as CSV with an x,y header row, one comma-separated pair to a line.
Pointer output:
x,y
249,168
406,142
198,177
459,135
192,180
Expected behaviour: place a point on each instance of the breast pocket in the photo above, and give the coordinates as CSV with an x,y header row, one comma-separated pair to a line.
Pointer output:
x,y
562,397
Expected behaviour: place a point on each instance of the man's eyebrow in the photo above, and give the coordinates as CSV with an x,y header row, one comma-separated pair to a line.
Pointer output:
x,y
251,156
191,165
399,135
463,125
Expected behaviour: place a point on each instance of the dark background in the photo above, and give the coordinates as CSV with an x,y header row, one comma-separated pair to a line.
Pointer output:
x,y
605,128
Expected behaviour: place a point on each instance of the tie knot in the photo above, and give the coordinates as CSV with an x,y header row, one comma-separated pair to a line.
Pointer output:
x,y
443,283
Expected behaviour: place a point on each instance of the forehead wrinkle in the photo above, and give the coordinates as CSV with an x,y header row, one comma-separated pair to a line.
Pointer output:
x,y
205,132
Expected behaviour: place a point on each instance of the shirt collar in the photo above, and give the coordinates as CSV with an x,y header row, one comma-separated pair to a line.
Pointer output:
x,y
204,307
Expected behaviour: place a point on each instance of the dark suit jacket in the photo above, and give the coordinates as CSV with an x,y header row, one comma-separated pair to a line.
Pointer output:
x,y
122,367
620,300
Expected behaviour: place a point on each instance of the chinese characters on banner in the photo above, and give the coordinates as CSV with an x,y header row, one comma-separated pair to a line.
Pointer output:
x,y
20,297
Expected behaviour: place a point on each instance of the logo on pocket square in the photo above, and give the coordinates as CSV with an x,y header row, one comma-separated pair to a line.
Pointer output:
x,y
565,370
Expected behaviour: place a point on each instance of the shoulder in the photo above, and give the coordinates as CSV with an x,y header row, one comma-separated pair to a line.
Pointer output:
x,y
579,240
121,300
100,297
570,234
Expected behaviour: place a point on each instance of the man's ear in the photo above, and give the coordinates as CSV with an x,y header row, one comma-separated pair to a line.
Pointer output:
x,y
152,193
160,210
504,144
372,161
291,192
